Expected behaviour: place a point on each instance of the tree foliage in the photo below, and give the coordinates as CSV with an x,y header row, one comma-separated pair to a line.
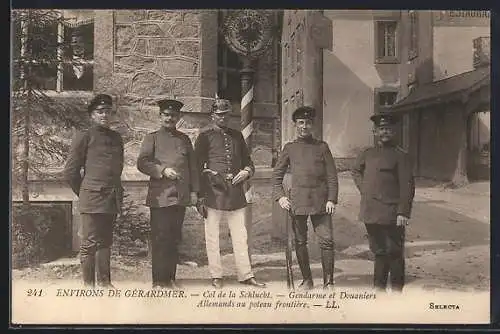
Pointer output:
x,y
37,119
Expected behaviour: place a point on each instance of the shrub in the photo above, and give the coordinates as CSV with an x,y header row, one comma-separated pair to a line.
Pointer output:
x,y
39,234
25,239
131,231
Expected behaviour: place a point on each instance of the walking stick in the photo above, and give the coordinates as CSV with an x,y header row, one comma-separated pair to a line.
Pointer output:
x,y
288,252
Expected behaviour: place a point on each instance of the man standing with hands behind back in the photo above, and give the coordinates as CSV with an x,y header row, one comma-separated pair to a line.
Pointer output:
x,y
167,156
383,175
314,193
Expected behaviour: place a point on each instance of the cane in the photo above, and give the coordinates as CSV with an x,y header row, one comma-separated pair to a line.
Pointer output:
x,y
287,187
288,251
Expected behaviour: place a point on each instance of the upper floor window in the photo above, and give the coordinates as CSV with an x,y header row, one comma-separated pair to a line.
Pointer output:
x,y
386,41
413,45
62,54
228,71
384,98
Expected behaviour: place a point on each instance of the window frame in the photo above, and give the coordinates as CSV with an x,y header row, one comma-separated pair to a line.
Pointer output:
x,y
61,61
382,59
381,90
413,34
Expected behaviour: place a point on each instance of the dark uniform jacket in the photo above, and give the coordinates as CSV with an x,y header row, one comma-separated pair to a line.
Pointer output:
x,y
173,149
99,151
225,152
384,178
313,172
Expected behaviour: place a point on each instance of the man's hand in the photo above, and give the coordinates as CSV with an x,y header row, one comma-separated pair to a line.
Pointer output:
x,y
240,177
402,221
201,208
284,202
170,173
194,198
330,207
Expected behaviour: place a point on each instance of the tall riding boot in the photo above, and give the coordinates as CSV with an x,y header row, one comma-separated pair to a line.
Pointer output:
x,y
380,272
174,262
88,270
303,259
103,259
171,268
397,273
327,262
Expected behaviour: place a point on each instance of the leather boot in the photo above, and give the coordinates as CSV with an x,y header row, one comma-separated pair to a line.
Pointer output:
x,y
327,262
397,273
103,259
303,259
380,272
88,270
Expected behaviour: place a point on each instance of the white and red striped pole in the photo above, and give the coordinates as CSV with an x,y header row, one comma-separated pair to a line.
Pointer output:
x,y
247,89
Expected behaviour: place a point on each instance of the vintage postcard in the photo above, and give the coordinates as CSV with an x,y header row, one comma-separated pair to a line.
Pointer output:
x,y
250,166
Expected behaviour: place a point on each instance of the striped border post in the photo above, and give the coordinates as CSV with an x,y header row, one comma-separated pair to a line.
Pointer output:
x,y
247,89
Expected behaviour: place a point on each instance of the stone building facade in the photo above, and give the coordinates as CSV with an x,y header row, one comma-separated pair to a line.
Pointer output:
x,y
140,56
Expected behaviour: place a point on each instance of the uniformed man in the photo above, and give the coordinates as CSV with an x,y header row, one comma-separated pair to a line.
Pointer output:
x,y
99,152
167,156
383,175
314,194
225,164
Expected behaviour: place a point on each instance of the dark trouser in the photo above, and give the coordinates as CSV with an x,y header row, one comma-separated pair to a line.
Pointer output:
x,y
96,233
166,233
387,244
323,228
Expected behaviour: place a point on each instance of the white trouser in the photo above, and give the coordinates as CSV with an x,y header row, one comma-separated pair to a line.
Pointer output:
x,y
236,223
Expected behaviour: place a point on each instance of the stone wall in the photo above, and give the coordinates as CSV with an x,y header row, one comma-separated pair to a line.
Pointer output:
x,y
144,55
157,54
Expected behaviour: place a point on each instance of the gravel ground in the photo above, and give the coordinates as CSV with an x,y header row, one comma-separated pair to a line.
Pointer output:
x,y
447,245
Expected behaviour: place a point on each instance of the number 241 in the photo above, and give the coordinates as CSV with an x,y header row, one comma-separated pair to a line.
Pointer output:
x,y
34,292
